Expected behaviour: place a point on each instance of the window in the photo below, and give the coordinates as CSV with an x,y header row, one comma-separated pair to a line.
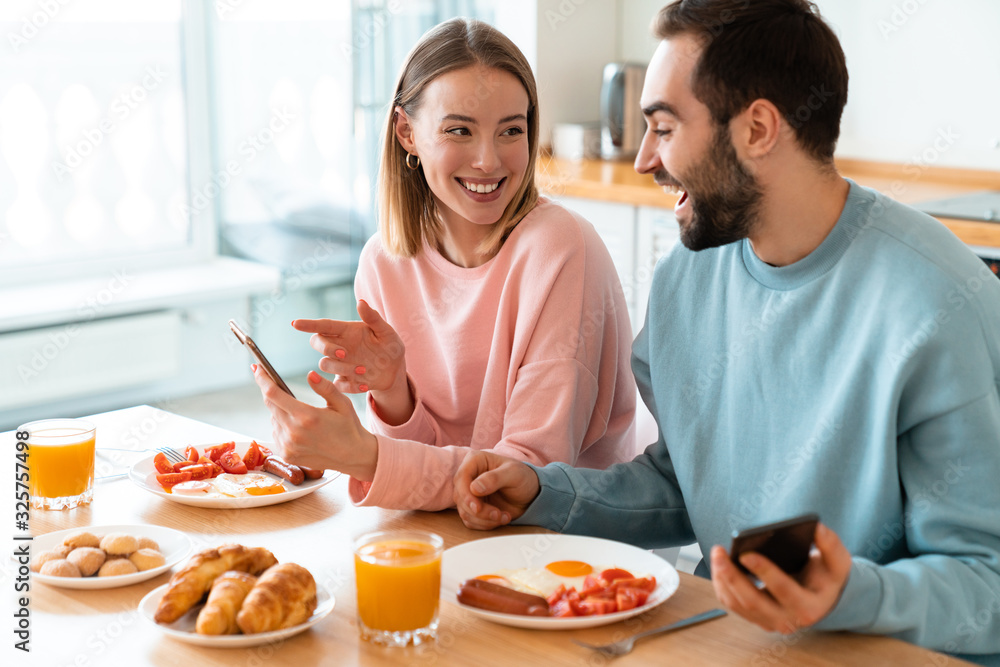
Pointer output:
x,y
136,134
94,130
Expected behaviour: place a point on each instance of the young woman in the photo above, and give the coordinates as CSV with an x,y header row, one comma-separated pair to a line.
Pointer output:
x,y
509,330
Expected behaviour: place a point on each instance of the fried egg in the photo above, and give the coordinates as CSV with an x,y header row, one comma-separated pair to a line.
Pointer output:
x,y
544,581
229,485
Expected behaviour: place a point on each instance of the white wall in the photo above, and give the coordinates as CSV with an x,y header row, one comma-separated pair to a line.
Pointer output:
x,y
920,70
567,42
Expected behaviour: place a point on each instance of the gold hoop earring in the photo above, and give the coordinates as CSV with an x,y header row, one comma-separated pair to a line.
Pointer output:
x,y
412,167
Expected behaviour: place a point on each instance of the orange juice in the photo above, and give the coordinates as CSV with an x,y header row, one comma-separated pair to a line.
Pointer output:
x,y
60,463
398,579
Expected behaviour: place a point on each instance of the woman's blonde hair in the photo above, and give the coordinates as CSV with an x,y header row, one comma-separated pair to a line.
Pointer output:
x,y
407,211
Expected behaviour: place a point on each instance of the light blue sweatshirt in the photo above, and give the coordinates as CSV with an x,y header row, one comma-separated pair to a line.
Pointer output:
x,y
860,383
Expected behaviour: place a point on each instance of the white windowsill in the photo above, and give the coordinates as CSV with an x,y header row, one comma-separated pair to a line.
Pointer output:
x,y
32,306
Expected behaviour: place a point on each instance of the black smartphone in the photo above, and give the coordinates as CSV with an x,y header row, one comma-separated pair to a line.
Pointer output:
x,y
785,543
259,356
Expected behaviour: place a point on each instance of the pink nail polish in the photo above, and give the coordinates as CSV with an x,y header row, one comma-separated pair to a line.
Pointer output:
x,y
362,387
340,354
360,370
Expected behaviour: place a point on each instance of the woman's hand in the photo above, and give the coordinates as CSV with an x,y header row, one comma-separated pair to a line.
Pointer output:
x,y
785,604
492,490
325,438
366,356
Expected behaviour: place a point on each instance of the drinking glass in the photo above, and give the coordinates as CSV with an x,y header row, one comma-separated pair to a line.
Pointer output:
x,y
398,577
60,463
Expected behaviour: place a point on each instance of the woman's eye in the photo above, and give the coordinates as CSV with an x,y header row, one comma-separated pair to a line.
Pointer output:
x,y
514,131
662,133
460,131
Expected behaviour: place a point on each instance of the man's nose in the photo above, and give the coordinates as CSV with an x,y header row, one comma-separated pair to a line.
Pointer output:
x,y
647,160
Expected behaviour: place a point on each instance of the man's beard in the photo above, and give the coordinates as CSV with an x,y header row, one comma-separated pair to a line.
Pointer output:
x,y
725,197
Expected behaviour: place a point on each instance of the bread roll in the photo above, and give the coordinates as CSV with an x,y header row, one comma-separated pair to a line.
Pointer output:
x,y
82,539
147,559
119,544
218,616
117,567
284,596
60,568
88,559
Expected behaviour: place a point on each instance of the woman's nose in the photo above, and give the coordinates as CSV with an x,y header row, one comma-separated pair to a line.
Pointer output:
x,y
486,158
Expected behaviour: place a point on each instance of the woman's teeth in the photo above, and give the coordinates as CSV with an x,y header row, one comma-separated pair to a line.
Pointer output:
x,y
481,188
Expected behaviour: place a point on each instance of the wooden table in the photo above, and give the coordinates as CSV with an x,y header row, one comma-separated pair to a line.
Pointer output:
x,y
102,627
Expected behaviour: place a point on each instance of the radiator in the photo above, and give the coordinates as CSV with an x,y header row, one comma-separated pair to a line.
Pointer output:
x,y
45,365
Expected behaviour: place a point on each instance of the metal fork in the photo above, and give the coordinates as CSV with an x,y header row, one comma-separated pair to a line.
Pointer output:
x,y
171,454
625,645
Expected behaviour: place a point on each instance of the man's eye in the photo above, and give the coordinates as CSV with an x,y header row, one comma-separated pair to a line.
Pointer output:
x,y
662,133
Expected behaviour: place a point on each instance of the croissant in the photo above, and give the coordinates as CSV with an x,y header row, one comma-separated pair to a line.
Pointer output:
x,y
188,586
284,596
218,616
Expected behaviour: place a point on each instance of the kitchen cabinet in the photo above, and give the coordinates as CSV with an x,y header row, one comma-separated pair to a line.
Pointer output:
x,y
636,237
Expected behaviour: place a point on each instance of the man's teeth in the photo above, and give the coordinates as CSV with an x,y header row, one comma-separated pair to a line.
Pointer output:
x,y
481,188
673,190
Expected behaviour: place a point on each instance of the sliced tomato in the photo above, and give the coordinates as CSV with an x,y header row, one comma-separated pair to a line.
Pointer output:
x,y
232,463
216,469
162,464
592,586
645,583
191,453
556,595
630,598
561,609
616,573
263,450
597,606
199,470
216,451
180,464
254,458
171,479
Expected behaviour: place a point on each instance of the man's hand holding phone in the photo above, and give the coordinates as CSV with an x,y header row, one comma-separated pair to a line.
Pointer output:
x,y
785,602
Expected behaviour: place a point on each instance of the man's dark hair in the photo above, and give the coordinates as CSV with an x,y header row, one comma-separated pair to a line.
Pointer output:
x,y
778,50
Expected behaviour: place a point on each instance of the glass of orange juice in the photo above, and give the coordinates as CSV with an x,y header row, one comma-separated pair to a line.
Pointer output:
x,y
398,577
60,463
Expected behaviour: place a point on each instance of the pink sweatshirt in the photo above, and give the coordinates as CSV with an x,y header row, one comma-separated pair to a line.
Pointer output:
x,y
527,355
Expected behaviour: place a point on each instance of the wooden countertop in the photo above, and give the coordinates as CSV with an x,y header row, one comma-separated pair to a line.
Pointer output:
x,y
103,627
618,182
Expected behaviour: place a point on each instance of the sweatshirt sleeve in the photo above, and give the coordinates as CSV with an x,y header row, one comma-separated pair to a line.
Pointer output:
x,y
946,596
534,431
638,502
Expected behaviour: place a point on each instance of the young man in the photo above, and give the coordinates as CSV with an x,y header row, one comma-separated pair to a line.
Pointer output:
x,y
813,347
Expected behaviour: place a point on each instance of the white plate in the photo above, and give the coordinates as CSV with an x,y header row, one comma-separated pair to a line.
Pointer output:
x,y
516,551
143,474
183,628
174,545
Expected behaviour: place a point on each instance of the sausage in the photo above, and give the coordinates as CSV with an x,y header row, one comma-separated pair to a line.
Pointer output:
x,y
312,473
494,597
284,470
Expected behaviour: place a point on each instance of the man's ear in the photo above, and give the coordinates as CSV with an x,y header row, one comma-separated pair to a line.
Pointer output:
x,y
404,130
756,131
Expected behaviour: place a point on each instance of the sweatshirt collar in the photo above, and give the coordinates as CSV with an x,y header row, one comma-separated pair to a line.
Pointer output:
x,y
850,223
